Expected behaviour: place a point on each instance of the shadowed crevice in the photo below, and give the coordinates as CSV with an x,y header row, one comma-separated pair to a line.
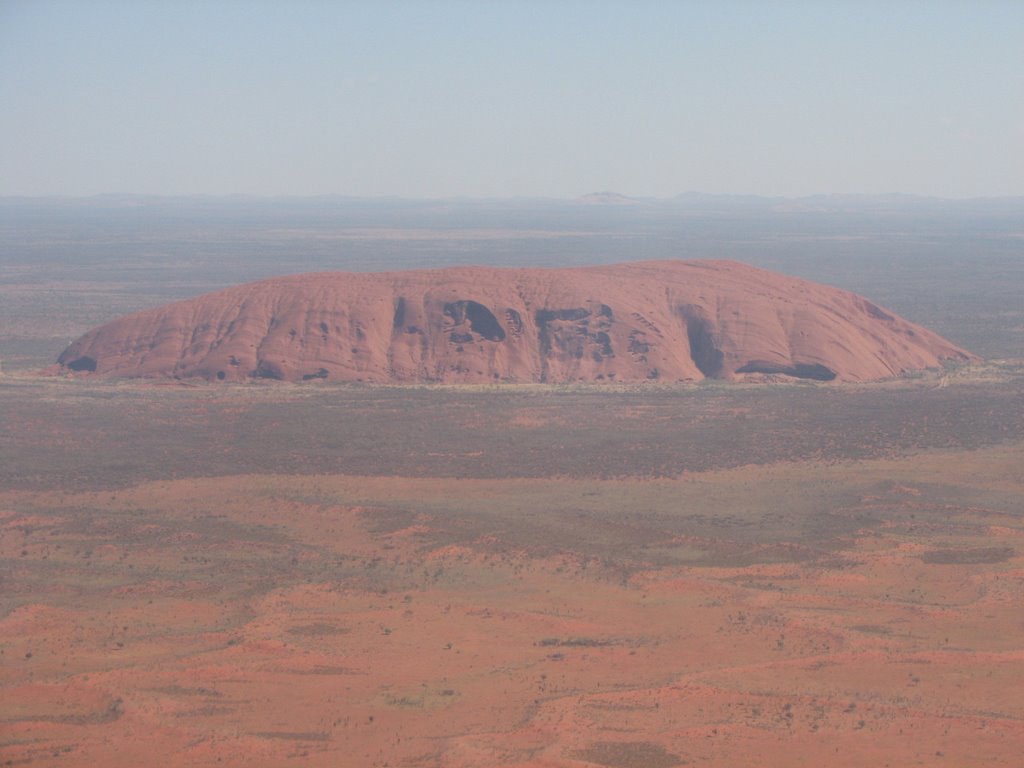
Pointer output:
x,y
703,350
398,319
83,364
814,371
481,320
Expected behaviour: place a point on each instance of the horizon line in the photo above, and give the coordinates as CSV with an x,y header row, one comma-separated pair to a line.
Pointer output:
x,y
593,196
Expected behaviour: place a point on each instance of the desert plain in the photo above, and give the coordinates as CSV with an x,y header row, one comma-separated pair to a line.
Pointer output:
x,y
856,602
796,573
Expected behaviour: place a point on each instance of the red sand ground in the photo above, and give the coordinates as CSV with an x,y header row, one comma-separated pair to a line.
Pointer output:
x,y
277,620
669,320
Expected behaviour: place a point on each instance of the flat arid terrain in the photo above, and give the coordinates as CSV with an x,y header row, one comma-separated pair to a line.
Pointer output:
x,y
521,576
626,575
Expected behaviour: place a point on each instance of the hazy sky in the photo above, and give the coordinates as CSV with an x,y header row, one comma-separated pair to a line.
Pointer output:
x,y
477,98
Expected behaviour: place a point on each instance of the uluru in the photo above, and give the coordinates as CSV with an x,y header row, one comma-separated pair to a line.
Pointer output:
x,y
660,320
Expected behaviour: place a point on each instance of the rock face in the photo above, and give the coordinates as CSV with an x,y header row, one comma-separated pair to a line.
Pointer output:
x,y
666,320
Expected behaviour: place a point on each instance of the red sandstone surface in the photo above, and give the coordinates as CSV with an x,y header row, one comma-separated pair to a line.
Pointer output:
x,y
668,320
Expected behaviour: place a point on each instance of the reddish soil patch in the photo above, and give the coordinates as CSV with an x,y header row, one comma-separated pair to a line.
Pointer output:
x,y
377,621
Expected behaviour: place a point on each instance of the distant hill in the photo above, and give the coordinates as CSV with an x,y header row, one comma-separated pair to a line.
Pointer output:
x,y
610,198
665,320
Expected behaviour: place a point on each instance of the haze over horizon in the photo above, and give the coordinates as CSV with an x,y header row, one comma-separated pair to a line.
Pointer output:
x,y
516,99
